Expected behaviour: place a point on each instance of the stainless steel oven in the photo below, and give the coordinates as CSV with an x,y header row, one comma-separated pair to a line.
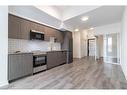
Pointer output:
x,y
39,63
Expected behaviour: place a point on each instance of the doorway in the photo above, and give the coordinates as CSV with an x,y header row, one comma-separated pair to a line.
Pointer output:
x,y
108,48
91,47
111,48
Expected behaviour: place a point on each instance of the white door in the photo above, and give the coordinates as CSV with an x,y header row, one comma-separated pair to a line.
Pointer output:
x,y
91,47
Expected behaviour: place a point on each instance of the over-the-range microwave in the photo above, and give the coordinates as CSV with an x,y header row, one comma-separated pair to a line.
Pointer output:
x,y
36,35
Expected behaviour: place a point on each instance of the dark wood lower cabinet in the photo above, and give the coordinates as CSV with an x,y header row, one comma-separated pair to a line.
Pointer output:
x,y
56,58
19,65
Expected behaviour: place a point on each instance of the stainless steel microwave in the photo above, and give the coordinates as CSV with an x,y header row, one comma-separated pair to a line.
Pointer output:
x,y
36,35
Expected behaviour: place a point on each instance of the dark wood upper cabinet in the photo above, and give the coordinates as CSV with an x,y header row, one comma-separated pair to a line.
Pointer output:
x,y
49,32
34,26
19,28
25,29
41,28
59,36
14,27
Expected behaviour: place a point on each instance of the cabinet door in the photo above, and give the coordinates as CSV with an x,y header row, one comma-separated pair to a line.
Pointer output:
x,y
52,59
59,57
69,35
15,67
13,27
59,36
19,65
70,56
27,62
64,57
25,29
41,28
70,44
34,26
49,32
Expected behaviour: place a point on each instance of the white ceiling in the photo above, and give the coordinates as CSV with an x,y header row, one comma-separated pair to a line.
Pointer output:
x,y
52,11
68,12
97,17
71,15
65,12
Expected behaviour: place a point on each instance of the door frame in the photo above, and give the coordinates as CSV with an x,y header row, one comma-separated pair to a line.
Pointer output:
x,y
88,45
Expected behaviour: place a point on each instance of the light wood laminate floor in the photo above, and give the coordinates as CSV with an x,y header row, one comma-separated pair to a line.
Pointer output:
x,y
85,73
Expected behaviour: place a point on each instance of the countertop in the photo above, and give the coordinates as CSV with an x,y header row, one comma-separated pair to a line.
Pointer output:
x,y
20,53
56,50
36,52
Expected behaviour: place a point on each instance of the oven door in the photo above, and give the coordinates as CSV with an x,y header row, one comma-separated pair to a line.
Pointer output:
x,y
39,61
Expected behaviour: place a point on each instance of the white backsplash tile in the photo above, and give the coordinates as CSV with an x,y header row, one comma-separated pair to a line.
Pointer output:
x,y
31,45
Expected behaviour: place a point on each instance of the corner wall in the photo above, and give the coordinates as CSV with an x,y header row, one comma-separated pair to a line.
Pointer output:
x,y
123,37
3,44
79,44
76,45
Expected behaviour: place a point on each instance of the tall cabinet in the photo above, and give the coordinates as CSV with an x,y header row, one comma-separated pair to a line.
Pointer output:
x,y
68,45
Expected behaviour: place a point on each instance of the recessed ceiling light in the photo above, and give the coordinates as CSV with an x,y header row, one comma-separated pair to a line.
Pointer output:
x,y
85,18
91,28
76,30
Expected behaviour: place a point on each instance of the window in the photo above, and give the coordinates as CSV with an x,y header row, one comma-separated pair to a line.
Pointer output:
x,y
110,44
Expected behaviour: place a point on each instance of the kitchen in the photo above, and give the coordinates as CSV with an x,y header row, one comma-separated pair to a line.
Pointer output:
x,y
34,47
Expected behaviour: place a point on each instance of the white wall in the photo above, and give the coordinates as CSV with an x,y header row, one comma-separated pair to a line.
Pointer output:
x,y
76,45
100,45
80,44
118,47
113,53
124,43
3,44
83,38
80,38
108,29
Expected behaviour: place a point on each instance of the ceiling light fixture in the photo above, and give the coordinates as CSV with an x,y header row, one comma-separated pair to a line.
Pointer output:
x,y
76,30
91,28
85,18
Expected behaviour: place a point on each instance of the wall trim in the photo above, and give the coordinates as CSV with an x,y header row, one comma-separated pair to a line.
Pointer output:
x,y
111,63
5,83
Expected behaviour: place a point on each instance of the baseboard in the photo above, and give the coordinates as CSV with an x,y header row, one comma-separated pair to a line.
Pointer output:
x,y
112,63
4,84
